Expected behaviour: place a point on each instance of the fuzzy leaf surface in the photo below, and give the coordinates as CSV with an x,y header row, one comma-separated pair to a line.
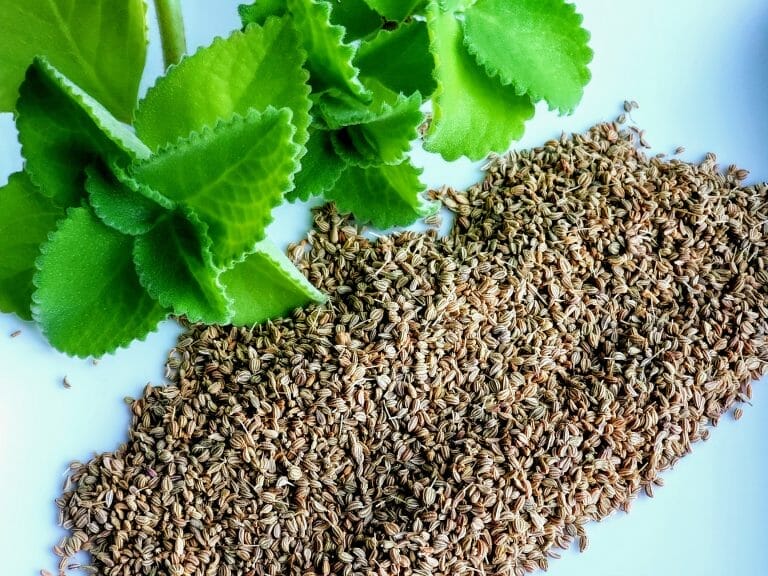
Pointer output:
x,y
383,138
88,300
121,206
321,167
334,110
259,11
254,69
385,196
267,285
400,59
101,46
230,176
26,219
175,266
63,130
396,10
329,58
357,18
454,6
472,113
537,46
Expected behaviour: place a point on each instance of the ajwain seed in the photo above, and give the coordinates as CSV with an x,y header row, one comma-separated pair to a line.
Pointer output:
x,y
447,412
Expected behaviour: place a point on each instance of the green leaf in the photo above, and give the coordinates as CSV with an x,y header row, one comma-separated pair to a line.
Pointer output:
x,y
62,130
385,138
88,299
472,113
400,59
121,206
26,219
396,10
175,266
320,168
334,110
258,12
329,58
267,285
357,18
455,6
101,46
386,196
231,176
538,46
255,69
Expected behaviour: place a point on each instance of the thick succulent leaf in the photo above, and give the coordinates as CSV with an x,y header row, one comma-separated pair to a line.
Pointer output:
x,y
385,196
231,176
538,46
63,130
121,206
357,18
259,11
329,58
472,113
254,69
334,110
26,219
101,46
396,10
321,167
385,138
88,300
266,285
454,6
175,266
400,59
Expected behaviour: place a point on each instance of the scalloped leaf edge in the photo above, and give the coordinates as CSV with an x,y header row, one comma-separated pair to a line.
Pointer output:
x,y
35,304
520,88
386,111
209,132
220,40
271,252
128,142
205,244
426,207
352,72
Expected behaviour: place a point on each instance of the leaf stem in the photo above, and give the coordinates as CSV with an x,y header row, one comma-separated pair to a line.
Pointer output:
x,y
172,34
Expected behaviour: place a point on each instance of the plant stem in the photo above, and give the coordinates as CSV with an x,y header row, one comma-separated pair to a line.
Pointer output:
x,y
172,34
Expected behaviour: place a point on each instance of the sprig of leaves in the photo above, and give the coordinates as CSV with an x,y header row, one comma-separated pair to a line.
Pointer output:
x,y
133,233
112,227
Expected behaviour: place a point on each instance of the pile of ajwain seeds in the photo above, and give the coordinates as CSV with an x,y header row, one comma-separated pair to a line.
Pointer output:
x,y
462,405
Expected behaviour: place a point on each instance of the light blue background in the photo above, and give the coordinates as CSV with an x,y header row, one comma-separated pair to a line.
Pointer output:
x,y
699,71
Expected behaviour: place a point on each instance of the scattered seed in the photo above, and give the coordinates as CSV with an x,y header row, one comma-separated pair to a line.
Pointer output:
x,y
462,405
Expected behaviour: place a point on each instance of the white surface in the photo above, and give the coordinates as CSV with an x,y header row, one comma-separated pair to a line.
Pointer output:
x,y
697,68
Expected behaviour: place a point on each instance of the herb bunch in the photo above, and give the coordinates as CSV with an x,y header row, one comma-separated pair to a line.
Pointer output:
x,y
129,211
